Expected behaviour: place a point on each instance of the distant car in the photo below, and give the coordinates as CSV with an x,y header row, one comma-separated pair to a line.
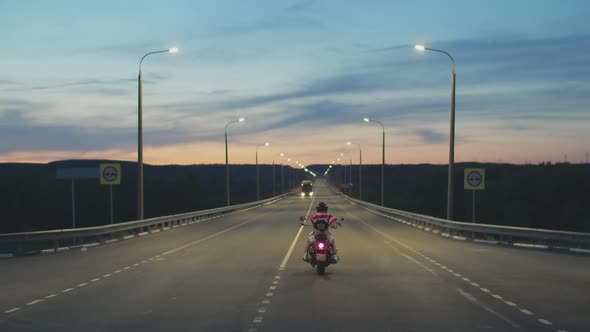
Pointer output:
x,y
306,188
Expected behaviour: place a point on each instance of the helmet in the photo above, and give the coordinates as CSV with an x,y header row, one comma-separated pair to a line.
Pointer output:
x,y
321,207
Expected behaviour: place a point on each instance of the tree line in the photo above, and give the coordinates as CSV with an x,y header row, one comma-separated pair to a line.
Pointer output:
x,y
546,195
34,199
550,196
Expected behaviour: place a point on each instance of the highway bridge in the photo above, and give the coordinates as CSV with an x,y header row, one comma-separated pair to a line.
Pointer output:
x,y
244,272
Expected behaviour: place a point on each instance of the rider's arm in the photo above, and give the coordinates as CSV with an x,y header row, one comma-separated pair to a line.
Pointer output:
x,y
333,222
307,221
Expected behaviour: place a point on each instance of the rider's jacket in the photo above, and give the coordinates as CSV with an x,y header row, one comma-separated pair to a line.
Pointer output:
x,y
322,215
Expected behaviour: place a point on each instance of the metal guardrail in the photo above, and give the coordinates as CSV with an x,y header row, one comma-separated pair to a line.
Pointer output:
x,y
517,236
15,244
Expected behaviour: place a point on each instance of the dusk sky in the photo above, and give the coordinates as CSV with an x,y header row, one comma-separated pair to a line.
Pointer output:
x,y
303,73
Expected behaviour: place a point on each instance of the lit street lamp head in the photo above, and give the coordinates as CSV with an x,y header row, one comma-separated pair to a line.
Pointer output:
x,y
420,47
266,144
366,119
241,119
173,50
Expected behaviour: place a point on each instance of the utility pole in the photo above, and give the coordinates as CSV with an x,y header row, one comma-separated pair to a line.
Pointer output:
x,y
273,179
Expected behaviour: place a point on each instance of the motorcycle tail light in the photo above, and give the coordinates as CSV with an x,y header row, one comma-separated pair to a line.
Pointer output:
x,y
321,246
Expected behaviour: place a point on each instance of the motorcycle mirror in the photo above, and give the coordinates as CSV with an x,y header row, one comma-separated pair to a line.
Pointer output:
x,y
301,218
341,219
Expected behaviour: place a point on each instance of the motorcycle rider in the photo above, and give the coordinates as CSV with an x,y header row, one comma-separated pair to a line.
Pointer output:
x,y
322,213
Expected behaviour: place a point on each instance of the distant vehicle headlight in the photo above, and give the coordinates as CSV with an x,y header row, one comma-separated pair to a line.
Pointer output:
x,y
302,194
310,193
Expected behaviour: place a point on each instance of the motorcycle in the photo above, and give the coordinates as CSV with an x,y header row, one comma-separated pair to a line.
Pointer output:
x,y
321,253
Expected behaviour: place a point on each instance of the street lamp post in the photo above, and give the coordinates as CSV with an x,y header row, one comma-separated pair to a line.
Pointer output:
x,y
282,174
341,177
140,133
258,173
383,157
451,134
227,160
360,169
289,183
335,177
350,176
344,164
273,179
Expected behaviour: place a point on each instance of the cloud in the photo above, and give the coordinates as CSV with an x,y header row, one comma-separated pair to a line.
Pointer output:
x,y
20,135
15,102
389,48
4,82
272,24
351,83
429,136
300,5
11,116
131,48
101,86
97,82
522,82
82,82
516,59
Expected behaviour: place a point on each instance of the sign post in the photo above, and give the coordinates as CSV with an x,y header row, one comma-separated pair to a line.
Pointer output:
x,y
75,174
474,180
110,174
73,204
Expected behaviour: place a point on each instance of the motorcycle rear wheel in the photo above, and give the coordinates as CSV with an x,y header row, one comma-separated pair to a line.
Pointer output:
x,y
321,268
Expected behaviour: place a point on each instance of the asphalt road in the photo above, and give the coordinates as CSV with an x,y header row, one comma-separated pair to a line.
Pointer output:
x,y
237,273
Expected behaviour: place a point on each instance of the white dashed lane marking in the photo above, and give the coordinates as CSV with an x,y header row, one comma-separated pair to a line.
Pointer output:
x,y
458,275
155,258
275,281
